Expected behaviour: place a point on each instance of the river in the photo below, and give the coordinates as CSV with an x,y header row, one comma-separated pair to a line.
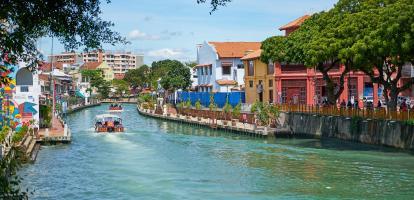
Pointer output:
x,y
154,159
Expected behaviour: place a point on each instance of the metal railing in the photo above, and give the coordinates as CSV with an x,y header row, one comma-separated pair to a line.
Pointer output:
x,y
366,113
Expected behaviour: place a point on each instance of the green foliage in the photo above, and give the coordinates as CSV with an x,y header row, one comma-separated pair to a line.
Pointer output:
x,y
4,132
181,105
9,182
227,107
45,114
177,76
97,81
410,122
121,87
265,112
198,105
138,77
212,106
188,104
19,135
74,23
237,110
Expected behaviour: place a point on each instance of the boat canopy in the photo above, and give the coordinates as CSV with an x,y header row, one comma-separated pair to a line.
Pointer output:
x,y
108,117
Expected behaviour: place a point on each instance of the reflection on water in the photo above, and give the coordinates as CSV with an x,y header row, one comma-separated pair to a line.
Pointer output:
x,y
154,159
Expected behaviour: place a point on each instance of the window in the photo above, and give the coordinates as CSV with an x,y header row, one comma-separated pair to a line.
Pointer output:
x,y
270,83
240,66
251,68
202,70
270,69
211,70
226,70
270,96
250,84
24,88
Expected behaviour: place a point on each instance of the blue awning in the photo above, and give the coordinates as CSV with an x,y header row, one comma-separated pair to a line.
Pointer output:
x,y
79,94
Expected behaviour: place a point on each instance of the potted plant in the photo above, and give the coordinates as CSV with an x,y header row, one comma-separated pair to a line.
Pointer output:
x,y
198,108
236,114
212,107
188,107
226,111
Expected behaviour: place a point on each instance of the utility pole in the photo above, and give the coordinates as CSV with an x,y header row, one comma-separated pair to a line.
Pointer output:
x,y
52,86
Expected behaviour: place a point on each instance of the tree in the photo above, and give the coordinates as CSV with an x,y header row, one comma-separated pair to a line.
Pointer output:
x,y
177,77
388,46
97,81
121,87
159,69
74,23
215,3
138,77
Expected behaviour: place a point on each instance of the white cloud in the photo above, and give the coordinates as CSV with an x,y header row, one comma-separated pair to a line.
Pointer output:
x,y
166,53
139,35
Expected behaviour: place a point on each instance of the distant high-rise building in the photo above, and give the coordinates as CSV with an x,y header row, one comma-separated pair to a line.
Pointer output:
x,y
65,57
120,62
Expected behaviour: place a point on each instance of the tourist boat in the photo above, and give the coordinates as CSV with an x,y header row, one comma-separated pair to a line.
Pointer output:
x,y
108,123
115,108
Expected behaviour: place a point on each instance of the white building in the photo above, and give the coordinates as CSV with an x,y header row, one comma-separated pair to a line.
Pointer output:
x,y
219,66
27,92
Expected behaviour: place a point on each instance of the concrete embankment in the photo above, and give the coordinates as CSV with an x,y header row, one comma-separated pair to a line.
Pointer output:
x,y
78,108
235,127
395,134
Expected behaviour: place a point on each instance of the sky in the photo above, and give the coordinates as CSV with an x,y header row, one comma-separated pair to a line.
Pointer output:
x,y
171,29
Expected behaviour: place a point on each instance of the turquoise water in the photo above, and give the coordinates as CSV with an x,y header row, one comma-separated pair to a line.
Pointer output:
x,y
164,160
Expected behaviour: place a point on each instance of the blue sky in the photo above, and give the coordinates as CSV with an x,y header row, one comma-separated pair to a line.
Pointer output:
x,y
163,29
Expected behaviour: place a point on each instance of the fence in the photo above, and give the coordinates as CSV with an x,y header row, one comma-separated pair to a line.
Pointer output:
x,y
219,98
377,113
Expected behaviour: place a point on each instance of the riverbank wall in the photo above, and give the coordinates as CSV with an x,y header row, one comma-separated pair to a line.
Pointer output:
x,y
396,134
237,127
78,108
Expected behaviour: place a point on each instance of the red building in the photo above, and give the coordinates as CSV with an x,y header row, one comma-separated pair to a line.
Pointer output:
x,y
299,84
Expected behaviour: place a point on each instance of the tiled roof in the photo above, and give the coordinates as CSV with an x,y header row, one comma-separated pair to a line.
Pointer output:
x,y
47,67
91,65
44,77
234,49
252,55
295,23
226,82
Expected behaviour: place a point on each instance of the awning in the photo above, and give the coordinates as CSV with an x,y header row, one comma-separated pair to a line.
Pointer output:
x,y
203,65
79,94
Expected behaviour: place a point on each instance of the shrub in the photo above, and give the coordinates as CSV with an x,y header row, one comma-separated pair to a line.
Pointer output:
x,y
18,135
410,122
237,110
3,133
188,104
198,105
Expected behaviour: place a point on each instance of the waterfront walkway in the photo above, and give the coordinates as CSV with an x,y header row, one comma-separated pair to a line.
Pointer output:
x,y
237,127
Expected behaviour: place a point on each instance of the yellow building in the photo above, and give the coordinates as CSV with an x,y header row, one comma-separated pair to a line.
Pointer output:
x,y
258,78
108,73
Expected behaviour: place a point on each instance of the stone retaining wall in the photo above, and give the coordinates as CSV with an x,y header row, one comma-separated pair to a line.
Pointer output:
x,y
378,132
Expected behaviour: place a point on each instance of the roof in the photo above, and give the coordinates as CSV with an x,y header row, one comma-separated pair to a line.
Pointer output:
x,y
91,65
103,116
226,82
47,67
295,23
252,55
203,65
44,77
234,49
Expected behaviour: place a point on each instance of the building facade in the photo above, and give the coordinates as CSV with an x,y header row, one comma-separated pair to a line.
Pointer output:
x,y
20,99
65,57
220,68
258,78
108,73
120,62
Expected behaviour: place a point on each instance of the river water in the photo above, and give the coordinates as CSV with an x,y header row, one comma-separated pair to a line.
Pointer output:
x,y
166,160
